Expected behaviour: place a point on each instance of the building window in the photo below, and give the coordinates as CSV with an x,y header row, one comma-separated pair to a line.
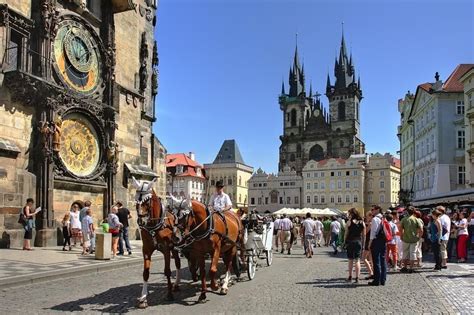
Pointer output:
x,y
382,184
316,174
339,199
323,199
293,117
339,184
460,108
259,200
315,185
266,200
461,175
348,198
382,173
348,173
252,201
297,200
240,198
274,196
308,186
348,184
240,180
288,200
229,181
281,200
356,198
332,185
382,198
339,173
281,184
322,174
323,185
308,199
308,175
356,183
315,199
332,174
461,139
355,173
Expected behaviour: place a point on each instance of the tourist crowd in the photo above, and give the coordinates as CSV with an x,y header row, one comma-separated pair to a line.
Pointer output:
x,y
382,240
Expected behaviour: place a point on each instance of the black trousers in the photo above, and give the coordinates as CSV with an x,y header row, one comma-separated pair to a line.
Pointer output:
x,y
436,253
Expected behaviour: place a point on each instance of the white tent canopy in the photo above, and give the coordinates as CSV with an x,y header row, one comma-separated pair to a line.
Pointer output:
x,y
302,212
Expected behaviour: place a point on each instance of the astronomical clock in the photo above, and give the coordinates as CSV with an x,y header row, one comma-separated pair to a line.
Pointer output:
x,y
77,52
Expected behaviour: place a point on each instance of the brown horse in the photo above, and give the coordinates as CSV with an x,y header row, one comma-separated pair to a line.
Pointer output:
x,y
203,233
156,230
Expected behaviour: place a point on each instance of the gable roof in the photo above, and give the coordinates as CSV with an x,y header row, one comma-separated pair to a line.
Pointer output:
x,y
229,153
453,84
180,159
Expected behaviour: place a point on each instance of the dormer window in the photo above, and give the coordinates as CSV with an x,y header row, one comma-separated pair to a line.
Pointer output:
x,y
179,169
198,171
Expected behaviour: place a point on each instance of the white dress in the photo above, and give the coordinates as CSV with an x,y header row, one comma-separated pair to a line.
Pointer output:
x,y
75,223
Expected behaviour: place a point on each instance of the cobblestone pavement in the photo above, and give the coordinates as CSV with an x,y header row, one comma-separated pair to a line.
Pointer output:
x,y
292,284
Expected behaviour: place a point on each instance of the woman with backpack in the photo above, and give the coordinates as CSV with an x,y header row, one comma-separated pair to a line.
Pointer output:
x,y
353,236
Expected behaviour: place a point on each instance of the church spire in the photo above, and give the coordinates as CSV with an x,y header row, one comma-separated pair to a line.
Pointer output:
x,y
282,87
344,68
310,89
328,85
296,77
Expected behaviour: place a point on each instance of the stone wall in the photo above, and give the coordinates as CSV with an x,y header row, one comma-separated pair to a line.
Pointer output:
x,y
20,6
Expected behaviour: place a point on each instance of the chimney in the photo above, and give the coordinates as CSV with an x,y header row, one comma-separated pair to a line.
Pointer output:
x,y
192,156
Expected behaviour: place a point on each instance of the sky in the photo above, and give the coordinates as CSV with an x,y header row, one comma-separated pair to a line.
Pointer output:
x,y
222,63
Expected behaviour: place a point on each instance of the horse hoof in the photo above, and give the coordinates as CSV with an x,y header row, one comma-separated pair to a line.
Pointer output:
x,y
214,287
224,291
176,288
202,298
142,304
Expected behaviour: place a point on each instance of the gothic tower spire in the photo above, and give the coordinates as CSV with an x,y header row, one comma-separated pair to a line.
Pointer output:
x,y
297,77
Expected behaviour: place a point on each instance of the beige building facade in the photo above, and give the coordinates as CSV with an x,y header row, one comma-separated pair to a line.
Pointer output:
x,y
382,179
335,183
230,168
75,128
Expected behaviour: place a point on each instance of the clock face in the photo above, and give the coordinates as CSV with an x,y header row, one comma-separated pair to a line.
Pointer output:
x,y
79,149
77,57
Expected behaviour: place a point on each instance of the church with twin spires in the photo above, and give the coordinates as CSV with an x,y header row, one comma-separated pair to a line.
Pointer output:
x,y
310,131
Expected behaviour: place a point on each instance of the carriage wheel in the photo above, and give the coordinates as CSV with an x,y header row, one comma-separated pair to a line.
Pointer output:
x,y
269,256
251,267
236,265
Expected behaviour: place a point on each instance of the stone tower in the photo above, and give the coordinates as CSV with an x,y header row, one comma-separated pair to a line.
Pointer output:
x,y
344,105
309,131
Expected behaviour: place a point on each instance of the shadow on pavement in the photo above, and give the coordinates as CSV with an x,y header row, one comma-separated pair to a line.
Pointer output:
x,y
451,276
332,283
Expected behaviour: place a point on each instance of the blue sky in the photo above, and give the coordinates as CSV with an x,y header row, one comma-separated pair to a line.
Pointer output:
x,y
222,63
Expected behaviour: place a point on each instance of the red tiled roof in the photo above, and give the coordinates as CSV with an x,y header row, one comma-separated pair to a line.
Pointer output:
x,y
452,84
396,162
426,86
190,172
325,161
180,159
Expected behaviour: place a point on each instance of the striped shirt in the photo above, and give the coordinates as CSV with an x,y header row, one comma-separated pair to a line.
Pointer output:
x,y
285,224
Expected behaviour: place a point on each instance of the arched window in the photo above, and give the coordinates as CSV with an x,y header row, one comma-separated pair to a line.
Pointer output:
x,y
274,196
240,180
292,157
293,118
341,111
316,153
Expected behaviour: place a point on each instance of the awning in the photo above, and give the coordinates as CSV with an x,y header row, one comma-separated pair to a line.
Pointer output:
x,y
457,196
140,170
9,146
122,5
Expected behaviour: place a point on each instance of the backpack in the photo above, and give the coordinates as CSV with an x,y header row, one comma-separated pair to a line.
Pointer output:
x,y
22,217
385,231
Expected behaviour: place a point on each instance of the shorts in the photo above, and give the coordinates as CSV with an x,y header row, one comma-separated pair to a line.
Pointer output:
x,y
409,250
86,239
443,249
419,246
285,236
76,232
354,249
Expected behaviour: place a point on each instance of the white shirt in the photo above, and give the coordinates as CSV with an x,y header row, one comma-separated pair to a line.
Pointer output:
x,y
462,231
286,224
445,223
220,201
335,227
309,227
375,226
75,223
319,227
276,224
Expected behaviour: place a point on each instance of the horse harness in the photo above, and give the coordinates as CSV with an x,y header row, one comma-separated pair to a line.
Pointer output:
x,y
160,225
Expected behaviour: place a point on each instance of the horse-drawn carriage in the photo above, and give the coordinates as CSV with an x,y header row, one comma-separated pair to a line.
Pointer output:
x,y
258,240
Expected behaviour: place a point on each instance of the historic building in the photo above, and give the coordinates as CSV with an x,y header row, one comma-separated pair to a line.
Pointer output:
x,y
270,192
186,176
468,82
407,150
335,183
309,131
382,181
77,88
433,138
229,167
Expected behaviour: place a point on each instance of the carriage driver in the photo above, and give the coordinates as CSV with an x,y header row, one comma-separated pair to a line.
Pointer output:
x,y
220,201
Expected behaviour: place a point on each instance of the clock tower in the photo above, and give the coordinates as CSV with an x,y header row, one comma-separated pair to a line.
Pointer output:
x,y
78,87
